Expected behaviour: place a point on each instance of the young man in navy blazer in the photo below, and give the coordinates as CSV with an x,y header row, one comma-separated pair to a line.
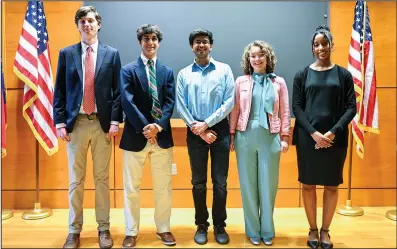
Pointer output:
x,y
147,97
87,112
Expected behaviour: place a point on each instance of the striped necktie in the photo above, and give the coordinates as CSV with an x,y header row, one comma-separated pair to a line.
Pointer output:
x,y
156,108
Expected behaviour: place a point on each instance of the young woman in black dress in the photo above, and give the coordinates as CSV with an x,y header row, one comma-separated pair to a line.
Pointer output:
x,y
323,103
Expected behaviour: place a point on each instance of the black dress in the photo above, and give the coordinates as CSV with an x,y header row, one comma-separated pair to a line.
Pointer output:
x,y
326,102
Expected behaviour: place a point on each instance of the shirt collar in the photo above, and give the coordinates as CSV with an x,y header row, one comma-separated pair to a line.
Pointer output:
x,y
145,60
94,46
211,63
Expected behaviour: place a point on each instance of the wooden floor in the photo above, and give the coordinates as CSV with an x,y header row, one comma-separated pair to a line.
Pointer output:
x,y
372,230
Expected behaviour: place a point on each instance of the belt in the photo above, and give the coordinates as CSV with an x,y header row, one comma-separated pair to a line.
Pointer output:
x,y
93,116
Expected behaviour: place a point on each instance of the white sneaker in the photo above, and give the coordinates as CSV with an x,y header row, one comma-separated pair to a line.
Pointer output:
x,y
255,241
268,242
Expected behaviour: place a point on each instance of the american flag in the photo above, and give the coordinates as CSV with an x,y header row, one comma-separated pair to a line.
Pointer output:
x,y
33,66
3,114
362,67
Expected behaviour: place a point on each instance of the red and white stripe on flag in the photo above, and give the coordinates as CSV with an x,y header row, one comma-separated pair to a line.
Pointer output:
x,y
362,67
32,65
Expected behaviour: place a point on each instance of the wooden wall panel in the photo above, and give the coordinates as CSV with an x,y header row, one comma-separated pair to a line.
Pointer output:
x,y
48,199
383,25
378,169
61,29
18,199
14,18
362,197
184,198
54,170
18,167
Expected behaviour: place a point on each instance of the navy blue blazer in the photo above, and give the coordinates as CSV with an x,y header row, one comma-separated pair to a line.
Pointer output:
x,y
68,92
137,104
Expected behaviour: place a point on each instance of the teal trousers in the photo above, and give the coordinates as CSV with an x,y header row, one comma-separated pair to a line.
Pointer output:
x,y
258,160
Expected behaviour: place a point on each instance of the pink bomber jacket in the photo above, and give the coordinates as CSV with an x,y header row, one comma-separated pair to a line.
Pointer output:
x,y
280,121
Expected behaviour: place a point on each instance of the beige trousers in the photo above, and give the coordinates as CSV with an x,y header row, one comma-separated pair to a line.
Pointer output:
x,y
161,163
88,133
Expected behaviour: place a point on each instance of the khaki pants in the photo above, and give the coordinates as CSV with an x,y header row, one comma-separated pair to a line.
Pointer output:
x,y
161,163
88,133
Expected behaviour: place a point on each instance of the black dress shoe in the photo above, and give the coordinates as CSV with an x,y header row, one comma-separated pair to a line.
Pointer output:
x,y
326,245
313,244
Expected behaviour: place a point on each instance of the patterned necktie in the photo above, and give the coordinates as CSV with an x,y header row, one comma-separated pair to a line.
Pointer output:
x,y
156,109
89,95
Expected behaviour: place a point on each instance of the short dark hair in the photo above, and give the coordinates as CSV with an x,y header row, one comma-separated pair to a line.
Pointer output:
x,y
149,29
83,11
200,32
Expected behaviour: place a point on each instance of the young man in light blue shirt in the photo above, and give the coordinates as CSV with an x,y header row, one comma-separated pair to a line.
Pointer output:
x,y
205,97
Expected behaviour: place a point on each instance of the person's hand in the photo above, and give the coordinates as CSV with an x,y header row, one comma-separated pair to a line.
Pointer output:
x,y
63,134
329,135
284,146
231,142
209,136
321,140
113,131
199,127
150,131
153,140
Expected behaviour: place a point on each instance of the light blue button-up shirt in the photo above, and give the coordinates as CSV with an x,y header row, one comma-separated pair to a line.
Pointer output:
x,y
205,93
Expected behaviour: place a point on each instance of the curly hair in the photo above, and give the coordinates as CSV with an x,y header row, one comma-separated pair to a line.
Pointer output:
x,y
271,59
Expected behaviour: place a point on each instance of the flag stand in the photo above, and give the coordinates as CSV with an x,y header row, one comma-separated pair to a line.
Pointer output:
x,y
37,212
348,209
6,214
391,214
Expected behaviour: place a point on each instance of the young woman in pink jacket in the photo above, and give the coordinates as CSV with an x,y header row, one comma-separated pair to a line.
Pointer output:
x,y
260,130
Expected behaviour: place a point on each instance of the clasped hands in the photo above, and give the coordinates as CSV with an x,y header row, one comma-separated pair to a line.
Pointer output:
x,y
200,129
323,141
150,132
65,136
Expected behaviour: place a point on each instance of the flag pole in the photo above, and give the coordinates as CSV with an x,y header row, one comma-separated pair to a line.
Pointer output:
x,y
391,214
37,212
348,209
5,213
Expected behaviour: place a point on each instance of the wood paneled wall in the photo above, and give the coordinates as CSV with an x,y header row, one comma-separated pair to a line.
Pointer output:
x,y
373,181
377,172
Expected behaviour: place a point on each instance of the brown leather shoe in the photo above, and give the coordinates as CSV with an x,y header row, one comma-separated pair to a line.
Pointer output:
x,y
167,238
105,239
72,241
129,242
